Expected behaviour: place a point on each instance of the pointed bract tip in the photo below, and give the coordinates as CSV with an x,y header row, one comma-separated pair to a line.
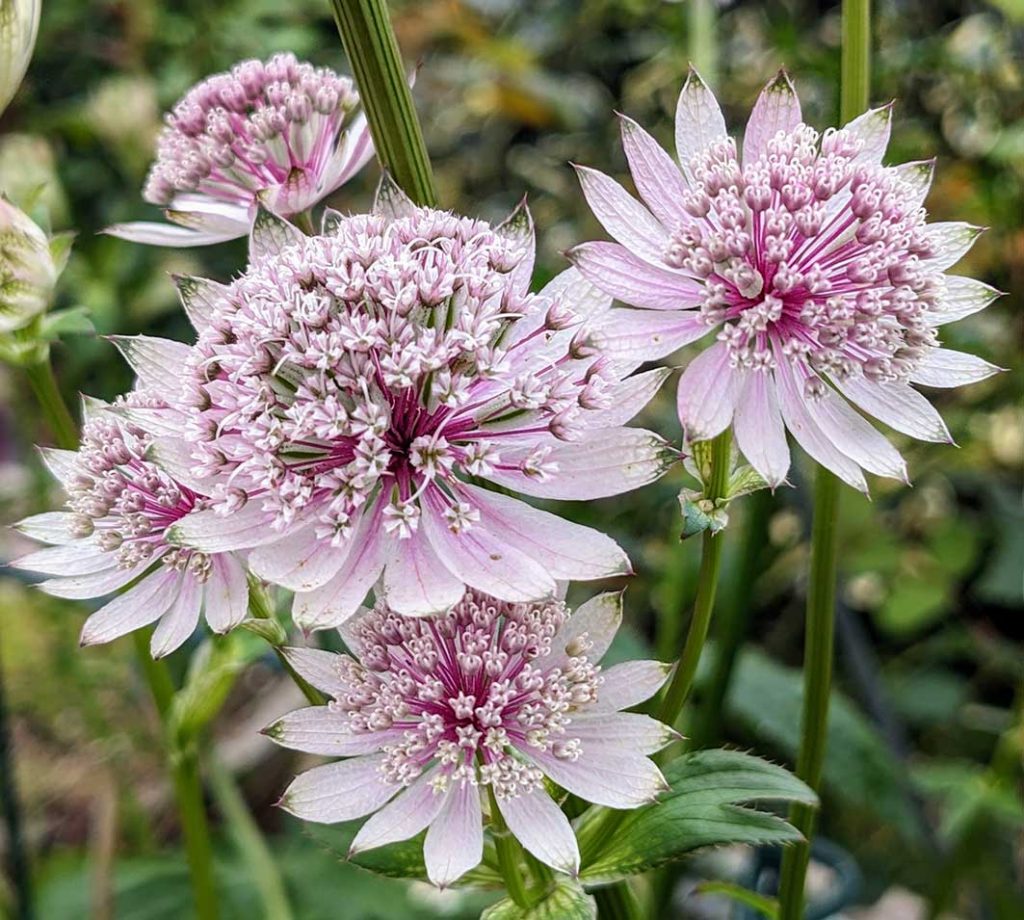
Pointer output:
x,y
693,75
781,81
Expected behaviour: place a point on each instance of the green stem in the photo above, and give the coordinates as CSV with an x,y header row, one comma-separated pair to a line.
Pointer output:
x,y
510,854
707,585
818,654
855,67
370,44
261,609
617,902
55,410
703,48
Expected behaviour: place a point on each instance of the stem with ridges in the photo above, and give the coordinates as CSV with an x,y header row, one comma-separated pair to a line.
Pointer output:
x,y
55,411
370,44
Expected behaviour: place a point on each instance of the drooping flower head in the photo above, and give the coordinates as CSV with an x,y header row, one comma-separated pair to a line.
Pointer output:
x,y
432,711
283,134
28,269
19,23
813,262
120,504
346,388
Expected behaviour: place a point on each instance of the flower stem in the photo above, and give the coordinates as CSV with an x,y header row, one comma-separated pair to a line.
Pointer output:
x,y
261,609
55,411
707,585
370,44
510,854
617,902
820,630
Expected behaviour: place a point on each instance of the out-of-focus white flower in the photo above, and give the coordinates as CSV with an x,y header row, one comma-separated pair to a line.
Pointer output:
x,y
28,271
19,23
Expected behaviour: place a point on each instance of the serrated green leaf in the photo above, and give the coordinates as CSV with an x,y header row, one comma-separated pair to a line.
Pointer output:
x,y
567,901
705,807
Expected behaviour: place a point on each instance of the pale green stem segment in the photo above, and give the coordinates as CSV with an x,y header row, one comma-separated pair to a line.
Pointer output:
x,y
510,856
703,47
55,411
383,84
261,609
855,89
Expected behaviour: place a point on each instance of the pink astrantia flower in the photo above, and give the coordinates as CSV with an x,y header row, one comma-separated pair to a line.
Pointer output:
x,y
120,504
432,711
347,386
280,134
814,263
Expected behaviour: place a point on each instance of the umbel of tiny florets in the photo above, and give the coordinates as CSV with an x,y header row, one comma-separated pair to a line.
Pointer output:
x,y
283,134
812,260
344,391
432,711
120,503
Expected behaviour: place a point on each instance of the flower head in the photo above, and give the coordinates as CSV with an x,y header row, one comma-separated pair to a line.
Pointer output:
x,y
28,268
347,386
19,23
281,134
813,262
432,711
121,500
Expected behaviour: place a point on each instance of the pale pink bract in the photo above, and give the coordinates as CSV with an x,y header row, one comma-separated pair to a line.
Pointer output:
x,y
431,711
814,263
282,134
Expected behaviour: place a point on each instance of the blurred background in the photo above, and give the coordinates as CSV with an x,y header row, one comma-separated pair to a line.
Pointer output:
x,y
923,812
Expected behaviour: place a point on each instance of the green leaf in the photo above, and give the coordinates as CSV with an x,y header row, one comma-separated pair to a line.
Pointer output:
x,y
744,480
567,901
703,808
72,321
767,907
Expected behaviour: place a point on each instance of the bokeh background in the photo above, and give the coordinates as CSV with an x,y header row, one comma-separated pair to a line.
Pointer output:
x,y
924,772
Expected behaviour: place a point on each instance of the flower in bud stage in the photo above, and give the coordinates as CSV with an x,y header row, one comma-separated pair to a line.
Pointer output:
x,y
348,386
432,711
19,23
121,500
282,133
815,264
28,268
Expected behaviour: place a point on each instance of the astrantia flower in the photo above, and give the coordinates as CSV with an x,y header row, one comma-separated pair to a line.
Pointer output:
x,y
28,269
814,263
19,23
120,504
282,134
489,694
347,386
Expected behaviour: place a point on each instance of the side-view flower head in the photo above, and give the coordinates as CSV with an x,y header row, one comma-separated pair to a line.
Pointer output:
x,y
283,134
19,24
120,504
28,268
436,714
813,261
346,388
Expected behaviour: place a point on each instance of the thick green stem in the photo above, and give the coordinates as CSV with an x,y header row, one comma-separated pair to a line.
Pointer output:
x,y
818,654
617,902
510,856
371,47
55,411
703,48
855,75
707,585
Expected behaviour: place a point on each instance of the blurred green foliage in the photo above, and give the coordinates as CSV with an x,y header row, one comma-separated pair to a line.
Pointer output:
x,y
924,772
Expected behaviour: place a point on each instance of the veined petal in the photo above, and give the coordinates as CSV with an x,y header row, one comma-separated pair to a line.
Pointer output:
x,y
578,293
962,297
620,732
917,180
699,120
655,174
49,527
199,298
950,241
626,780
403,817
541,827
596,621
623,216
631,337
760,433
319,668
139,606
78,558
872,129
943,367
98,584
777,109
416,581
212,532
616,271
181,619
270,235
325,731
302,562
226,598
518,230
568,551
455,841
154,233
157,362
171,454
707,394
339,791
897,405
63,464
628,398
628,684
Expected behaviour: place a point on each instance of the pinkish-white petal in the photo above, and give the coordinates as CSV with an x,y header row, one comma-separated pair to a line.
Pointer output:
x,y
917,180
352,151
897,405
619,732
792,403
171,453
199,298
153,233
655,174
62,464
576,292
213,532
568,551
97,584
542,828
631,337
962,297
872,129
416,581
339,791
625,219
49,527
482,559
603,462
226,598
699,120
950,241
589,631
944,368
455,841
628,684
628,398
760,433
777,109
319,668
403,817
158,363
626,780
139,606
325,731
302,562
518,231
181,619
635,281
79,558
271,235
707,394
